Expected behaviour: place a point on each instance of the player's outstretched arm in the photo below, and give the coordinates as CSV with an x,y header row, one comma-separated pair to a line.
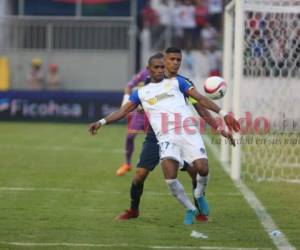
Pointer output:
x,y
209,104
204,113
113,117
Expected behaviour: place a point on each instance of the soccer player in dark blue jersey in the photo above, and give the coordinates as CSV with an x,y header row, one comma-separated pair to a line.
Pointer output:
x,y
149,156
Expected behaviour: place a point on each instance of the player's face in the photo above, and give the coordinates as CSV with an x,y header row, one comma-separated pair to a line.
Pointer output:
x,y
172,62
157,69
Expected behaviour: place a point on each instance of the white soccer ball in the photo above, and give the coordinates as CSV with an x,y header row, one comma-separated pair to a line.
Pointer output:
x,y
215,87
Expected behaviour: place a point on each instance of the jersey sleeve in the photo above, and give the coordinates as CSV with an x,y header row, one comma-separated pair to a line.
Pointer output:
x,y
192,100
134,97
184,85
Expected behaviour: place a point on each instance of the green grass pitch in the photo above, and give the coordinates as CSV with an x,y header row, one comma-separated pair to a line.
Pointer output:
x,y
58,185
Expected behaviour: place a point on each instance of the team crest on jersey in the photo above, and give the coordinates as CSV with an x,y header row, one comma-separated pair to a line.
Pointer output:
x,y
152,101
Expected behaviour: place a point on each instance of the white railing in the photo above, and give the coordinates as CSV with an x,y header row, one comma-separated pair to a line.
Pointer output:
x,y
92,52
65,33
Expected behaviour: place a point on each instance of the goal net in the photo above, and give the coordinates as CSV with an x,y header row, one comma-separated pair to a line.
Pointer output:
x,y
264,72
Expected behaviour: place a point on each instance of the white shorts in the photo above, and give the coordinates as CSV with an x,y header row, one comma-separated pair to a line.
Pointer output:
x,y
183,147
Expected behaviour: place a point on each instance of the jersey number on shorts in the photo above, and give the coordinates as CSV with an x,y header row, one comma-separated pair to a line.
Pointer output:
x,y
163,146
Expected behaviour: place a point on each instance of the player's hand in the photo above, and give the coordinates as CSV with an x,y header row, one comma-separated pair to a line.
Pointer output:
x,y
228,136
232,123
93,128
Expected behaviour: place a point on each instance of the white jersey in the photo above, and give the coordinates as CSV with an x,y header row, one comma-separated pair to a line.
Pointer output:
x,y
165,105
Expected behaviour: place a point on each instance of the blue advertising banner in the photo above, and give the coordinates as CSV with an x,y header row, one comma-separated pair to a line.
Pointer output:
x,y
60,106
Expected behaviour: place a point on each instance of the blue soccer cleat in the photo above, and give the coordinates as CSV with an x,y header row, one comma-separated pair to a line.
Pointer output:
x,y
189,217
203,205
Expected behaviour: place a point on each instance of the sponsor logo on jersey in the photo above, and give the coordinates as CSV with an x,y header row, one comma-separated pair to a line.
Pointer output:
x,y
159,97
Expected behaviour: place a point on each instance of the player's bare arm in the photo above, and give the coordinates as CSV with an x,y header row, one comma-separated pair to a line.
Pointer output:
x,y
207,103
113,117
204,113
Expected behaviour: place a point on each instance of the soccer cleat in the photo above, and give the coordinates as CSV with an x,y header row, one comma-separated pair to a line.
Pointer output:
x,y
123,169
189,217
128,214
201,217
203,205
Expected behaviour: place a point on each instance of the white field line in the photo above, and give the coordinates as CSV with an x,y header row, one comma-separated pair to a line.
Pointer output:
x,y
294,181
279,180
281,242
150,193
120,245
292,165
61,148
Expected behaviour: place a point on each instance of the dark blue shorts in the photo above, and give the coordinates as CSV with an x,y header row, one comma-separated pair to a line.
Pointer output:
x,y
149,156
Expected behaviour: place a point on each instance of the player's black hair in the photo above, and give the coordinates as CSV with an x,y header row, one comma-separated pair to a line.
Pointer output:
x,y
172,50
155,56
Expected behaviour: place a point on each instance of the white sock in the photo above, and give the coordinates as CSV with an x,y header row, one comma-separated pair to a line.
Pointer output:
x,y
178,191
201,186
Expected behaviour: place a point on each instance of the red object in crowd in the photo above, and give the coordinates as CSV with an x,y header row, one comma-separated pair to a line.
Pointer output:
x,y
253,23
214,72
150,17
53,67
201,15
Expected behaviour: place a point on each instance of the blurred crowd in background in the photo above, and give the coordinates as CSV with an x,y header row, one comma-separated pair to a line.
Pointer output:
x,y
193,25
49,44
38,80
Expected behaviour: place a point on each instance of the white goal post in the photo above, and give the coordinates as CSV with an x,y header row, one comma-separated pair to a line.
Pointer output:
x,y
261,65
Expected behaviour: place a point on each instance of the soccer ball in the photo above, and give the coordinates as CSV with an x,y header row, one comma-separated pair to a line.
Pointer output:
x,y
215,87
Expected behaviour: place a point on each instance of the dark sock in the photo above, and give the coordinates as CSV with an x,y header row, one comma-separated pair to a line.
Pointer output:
x,y
136,192
195,201
129,147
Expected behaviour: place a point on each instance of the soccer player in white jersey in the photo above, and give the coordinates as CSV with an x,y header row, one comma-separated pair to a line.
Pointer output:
x,y
178,141
149,155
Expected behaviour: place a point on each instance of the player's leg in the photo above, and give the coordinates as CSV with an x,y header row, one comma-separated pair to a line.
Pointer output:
x,y
193,174
149,158
135,126
170,168
129,148
170,157
136,191
192,171
202,179
194,153
137,187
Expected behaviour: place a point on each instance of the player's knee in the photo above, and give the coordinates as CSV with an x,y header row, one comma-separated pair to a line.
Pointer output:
x,y
202,167
140,176
169,168
203,170
130,136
